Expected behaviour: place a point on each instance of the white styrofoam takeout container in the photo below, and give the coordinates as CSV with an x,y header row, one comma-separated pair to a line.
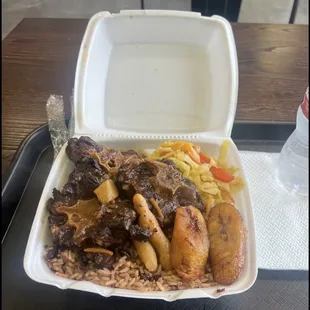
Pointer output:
x,y
143,77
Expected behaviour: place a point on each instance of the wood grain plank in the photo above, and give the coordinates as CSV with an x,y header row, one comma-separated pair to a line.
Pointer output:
x,y
39,59
273,71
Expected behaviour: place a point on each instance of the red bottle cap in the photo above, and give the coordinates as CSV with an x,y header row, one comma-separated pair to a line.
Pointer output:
x,y
305,104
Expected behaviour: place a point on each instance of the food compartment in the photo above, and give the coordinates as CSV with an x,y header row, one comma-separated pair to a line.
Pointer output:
x,y
37,269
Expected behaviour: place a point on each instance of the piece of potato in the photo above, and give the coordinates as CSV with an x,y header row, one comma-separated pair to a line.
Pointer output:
x,y
227,243
147,254
189,244
106,191
158,239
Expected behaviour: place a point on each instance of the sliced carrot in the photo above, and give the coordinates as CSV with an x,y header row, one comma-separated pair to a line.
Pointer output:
x,y
221,174
204,159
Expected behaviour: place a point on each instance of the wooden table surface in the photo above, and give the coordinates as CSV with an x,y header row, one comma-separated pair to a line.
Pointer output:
x,y
39,59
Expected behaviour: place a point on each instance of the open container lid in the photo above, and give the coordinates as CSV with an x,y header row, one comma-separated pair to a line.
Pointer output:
x,y
156,74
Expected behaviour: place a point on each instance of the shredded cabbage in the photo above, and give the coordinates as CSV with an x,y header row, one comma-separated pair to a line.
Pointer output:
x,y
186,157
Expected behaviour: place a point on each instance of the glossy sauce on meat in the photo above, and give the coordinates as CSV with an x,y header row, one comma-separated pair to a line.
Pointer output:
x,y
161,182
77,219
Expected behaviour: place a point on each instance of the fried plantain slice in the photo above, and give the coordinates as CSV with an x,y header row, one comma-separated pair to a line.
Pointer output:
x,y
227,236
189,244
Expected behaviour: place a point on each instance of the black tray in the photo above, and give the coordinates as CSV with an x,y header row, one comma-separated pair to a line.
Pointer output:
x,y
20,196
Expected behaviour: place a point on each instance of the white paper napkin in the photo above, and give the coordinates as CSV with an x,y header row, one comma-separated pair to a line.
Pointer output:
x,y
281,219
